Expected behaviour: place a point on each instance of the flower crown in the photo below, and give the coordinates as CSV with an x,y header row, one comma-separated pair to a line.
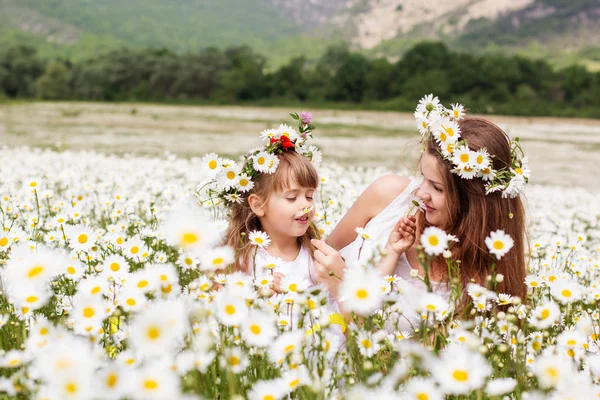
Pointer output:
x,y
229,180
434,120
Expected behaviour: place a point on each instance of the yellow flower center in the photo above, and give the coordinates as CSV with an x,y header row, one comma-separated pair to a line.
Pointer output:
x,y
71,270
130,302
88,312
3,242
111,380
479,159
135,250
142,284
366,343
545,313
362,294
423,396
229,309
566,293
255,329
150,384
31,299
153,332
218,261
498,245
83,238
212,164
294,383
35,271
460,375
71,387
230,175
243,182
464,157
433,240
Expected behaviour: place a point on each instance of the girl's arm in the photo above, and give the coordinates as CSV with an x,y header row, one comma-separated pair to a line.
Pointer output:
x,y
371,202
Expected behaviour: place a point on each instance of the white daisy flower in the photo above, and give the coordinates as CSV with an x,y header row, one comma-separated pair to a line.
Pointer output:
x,y
360,290
211,162
217,258
427,104
153,382
545,315
499,243
463,157
274,389
524,170
229,177
481,160
363,233
284,345
433,303
422,388
460,371
229,308
190,229
272,164
259,329
259,238
566,291
466,172
157,330
268,134
286,130
81,238
551,370
245,183
260,161
487,174
458,111
533,281
515,187
367,343
434,241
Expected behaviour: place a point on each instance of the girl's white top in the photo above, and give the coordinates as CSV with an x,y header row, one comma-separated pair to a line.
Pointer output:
x,y
360,251
299,271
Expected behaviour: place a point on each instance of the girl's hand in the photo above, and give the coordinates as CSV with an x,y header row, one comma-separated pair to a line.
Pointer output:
x,y
276,284
402,236
329,266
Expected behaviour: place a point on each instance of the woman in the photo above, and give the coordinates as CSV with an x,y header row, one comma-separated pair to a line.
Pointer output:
x,y
466,198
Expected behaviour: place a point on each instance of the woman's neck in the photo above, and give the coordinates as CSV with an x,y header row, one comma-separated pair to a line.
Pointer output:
x,y
286,247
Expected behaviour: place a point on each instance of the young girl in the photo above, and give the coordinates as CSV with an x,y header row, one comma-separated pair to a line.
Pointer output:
x,y
281,204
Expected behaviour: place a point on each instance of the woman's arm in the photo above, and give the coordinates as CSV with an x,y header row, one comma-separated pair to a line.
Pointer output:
x,y
371,202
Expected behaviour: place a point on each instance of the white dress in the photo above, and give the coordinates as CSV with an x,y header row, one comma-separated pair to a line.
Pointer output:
x,y
299,272
379,228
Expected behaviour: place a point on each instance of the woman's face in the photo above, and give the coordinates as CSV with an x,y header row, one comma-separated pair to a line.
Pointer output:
x,y
433,191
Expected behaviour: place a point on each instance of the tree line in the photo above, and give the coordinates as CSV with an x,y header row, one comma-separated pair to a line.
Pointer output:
x,y
340,78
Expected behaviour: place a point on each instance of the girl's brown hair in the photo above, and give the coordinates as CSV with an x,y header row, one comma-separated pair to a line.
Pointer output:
x,y
293,168
472,214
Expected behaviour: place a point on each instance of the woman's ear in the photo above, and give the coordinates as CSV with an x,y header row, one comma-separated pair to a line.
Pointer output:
x,y
256,204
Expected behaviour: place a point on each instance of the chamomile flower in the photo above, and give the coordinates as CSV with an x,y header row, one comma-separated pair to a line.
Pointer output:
x,y
273,389
500,386
364,233
259,238
217,258
434,241
466,172
361,291
244,183
190,229
458,111
260,161
463,157
460,371
552,370
545,315
153,382
499,243
367,343
288,131
427,104
157,330
566,291
419,388
258,329
272,164
115,268
211,163
229,308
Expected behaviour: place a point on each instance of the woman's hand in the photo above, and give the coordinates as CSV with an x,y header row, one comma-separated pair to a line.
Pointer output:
x,y
402,236
329,266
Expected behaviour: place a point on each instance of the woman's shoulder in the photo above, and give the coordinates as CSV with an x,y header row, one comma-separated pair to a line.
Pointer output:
x,y
387,187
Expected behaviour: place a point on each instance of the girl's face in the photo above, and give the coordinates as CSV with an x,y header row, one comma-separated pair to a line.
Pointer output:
x,y
283,213
433,191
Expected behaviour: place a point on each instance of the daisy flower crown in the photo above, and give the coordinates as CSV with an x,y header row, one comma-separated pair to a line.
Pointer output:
x,y
434,120
230,180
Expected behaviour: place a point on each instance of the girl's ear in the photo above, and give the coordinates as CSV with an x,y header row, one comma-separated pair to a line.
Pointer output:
x,y
256,205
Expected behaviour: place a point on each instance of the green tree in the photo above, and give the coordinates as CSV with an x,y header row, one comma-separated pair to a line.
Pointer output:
x,y
19,69
54,84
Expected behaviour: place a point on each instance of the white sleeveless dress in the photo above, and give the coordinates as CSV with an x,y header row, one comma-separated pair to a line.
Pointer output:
x,y
379,227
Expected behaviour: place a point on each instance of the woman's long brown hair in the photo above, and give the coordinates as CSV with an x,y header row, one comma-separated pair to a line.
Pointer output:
x,y
472,214
293,168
